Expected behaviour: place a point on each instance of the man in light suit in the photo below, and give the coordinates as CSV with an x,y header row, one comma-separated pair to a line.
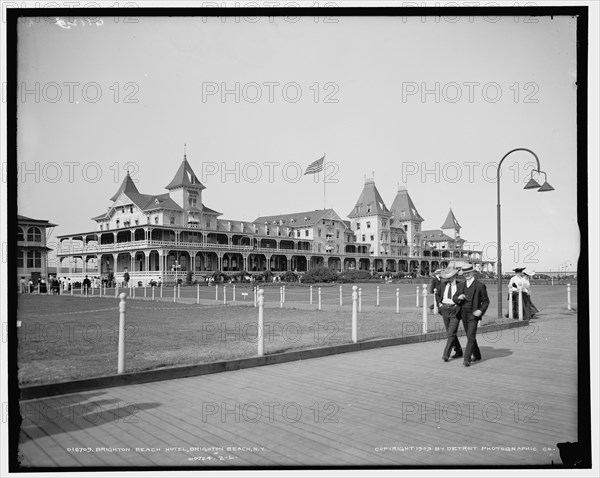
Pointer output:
x,y
472,297
449,311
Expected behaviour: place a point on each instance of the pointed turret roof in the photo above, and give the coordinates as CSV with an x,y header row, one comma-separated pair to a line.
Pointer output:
x,y
369,203
451,222
185,177
127,187
403,207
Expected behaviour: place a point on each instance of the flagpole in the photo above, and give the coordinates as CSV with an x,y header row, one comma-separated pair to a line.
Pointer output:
x,y
324,183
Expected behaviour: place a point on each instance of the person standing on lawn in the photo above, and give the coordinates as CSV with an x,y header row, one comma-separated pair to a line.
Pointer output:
x,y
472,297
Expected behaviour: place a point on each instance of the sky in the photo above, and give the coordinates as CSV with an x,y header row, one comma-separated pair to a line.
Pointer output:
x,y
431,104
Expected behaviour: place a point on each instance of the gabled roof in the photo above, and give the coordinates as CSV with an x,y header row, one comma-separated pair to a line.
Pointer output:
x,y
369,202
403,207
435,235
300,219
451,222
127,187
185,177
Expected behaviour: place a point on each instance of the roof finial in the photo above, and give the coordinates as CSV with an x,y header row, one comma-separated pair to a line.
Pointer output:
x,y
185,151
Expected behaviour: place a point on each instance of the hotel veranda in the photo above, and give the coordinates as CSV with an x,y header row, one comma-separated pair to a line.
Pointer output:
x,y
167,235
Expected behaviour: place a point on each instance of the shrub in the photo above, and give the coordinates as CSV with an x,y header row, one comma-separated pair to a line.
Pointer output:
x,y
355,276
289,276
320,274
189,276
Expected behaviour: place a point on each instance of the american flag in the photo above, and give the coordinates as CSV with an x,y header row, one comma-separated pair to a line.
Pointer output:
x,y
315,167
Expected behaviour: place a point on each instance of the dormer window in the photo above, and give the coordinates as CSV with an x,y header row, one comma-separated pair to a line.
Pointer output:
x,y
369,208
131,209
358,225
368,224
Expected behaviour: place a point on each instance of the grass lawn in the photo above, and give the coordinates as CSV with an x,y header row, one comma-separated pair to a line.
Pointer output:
x,y
64,338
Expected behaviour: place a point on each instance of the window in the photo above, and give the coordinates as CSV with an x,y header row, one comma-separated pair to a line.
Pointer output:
x,y
306,232
268,231
368,224
208,223
384,223
363,238
117,223
101,227
34,234
416,228
298,233
192,202
337,233
34,259
155,219
131,209
137,222
20,236
20,260
369,208
319,232
358,225
172,220
372,237
406,227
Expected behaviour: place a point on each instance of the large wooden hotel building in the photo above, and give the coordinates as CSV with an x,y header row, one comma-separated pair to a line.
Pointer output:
x,y
172,233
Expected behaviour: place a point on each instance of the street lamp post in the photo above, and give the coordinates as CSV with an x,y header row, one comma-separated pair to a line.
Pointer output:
x,y
531,184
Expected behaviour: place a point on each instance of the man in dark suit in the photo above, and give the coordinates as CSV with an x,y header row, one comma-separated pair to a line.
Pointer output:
x,y
449,311
472,297
435,284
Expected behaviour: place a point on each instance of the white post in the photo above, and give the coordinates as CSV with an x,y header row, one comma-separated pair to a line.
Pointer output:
x,y
121,352
197,293
178,290
174,293
133,288
568,296
319,299
216,291
38,288
255,290
104,289
435,307
261,338
377,296
418,293
153,293
233,293
360,299
424,309
510,305
116,289
161,290
552,279
340,295
72,287
144,292
311,295
397,301
281,297
520,291
224,295
354,314
284,293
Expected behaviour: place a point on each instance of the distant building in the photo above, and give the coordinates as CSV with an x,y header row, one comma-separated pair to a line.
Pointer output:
x,y
32,251
175,233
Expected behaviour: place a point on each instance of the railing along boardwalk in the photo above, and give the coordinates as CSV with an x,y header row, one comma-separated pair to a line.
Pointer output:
x,y
349,409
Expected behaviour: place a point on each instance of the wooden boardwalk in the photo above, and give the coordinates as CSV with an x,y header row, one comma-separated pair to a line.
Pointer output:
x,y
396,406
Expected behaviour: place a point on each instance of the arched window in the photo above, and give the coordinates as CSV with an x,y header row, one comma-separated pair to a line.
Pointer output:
x,y
20,235
34,234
